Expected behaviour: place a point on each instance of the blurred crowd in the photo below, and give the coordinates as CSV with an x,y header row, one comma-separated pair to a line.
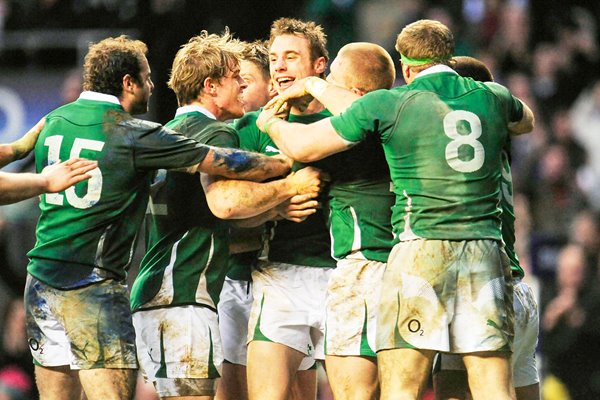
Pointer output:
x,y
546,51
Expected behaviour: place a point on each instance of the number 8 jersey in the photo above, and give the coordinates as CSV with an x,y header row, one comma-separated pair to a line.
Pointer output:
x,y
87,232
442,136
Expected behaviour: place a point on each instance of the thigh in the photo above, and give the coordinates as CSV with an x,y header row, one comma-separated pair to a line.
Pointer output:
x,y
57,383
403,372
108,384
234,307
179,349
524,363
353,296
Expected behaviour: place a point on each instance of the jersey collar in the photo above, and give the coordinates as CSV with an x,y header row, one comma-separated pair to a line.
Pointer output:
x,y
435,69
108,98
194,108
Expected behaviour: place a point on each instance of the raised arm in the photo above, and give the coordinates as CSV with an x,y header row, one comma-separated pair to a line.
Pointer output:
x,y
235,199
15,187
335,98
305,143
20,148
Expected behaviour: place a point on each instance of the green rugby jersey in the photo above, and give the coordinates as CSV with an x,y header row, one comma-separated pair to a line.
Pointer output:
x,y
360,200
442,136
188,247
93,224
508,214
306,243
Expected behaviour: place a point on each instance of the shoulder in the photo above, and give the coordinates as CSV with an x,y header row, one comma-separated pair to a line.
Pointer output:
x,y
247,121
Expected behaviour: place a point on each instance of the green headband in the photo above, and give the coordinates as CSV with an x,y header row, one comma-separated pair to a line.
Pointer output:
x,y
415,62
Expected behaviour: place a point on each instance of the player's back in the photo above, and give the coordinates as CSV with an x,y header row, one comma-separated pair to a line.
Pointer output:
x,y
94,223
444,151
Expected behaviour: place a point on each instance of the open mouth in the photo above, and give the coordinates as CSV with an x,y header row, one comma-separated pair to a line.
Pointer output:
x,y
285,82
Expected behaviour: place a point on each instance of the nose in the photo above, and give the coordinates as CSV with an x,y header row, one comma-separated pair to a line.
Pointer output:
x,y
243,84
279,64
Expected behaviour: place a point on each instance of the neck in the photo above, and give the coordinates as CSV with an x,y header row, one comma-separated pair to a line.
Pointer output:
x,y
313,108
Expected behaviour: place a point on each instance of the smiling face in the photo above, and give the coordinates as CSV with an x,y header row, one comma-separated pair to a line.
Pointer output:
x,y
256,93
290,59
228,97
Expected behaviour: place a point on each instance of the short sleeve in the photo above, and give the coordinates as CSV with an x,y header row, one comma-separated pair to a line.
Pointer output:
x,y
366,116
513,106
164,148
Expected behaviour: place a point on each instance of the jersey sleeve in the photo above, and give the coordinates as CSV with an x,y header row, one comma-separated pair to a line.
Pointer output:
x,y
364,117
224,136
249,134
513,106
164,148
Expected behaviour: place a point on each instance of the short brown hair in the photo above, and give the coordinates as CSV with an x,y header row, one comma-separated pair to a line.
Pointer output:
x,y
470,67
203,56
257,53
108,61
426,39
311,31
372,66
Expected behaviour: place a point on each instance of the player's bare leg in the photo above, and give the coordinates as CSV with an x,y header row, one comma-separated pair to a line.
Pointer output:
x,y
490,375
108,384
403,372
353,377
271,370
304,386
60,383
233,384
450,385
529,392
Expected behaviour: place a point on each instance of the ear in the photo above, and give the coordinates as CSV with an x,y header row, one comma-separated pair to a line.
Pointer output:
x,y
320,65
209,85
358,91
406,73
128,83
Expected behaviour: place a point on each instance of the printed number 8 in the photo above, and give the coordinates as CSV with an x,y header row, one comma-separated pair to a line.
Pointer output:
x,y
451,121
94,183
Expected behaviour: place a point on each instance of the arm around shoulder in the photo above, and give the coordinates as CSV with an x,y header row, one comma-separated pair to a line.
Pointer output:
x,y
525,125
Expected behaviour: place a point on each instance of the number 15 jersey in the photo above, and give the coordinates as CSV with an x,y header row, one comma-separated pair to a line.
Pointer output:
x,y
91,226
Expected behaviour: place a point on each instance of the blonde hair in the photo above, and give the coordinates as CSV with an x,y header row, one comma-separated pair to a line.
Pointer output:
x,y
311,31
371,66
108,61
203,56
426,39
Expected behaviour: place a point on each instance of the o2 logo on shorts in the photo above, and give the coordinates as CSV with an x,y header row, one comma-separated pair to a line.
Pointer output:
x,y
35,345
414,326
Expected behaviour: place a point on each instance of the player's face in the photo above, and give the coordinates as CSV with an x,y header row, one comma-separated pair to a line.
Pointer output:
x,y
228,97
289,59
256,93
142,90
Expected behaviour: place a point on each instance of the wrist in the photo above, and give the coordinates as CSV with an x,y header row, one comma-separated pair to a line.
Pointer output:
x,y
270,122
316,86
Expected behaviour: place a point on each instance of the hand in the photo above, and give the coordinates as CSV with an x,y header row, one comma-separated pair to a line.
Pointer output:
x,y
298,208
296,95
23,146
61,176
265,115
306,181
285,159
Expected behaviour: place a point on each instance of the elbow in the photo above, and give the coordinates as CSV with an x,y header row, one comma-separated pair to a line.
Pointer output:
x,y
221,208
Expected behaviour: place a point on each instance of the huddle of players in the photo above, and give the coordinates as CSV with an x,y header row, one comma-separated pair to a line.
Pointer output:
x,y
276,286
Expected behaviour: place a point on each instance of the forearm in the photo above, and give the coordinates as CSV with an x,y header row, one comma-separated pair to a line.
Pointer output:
x,y
17,187
234,199
240,164
335,98
525,125
270,215
20,147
